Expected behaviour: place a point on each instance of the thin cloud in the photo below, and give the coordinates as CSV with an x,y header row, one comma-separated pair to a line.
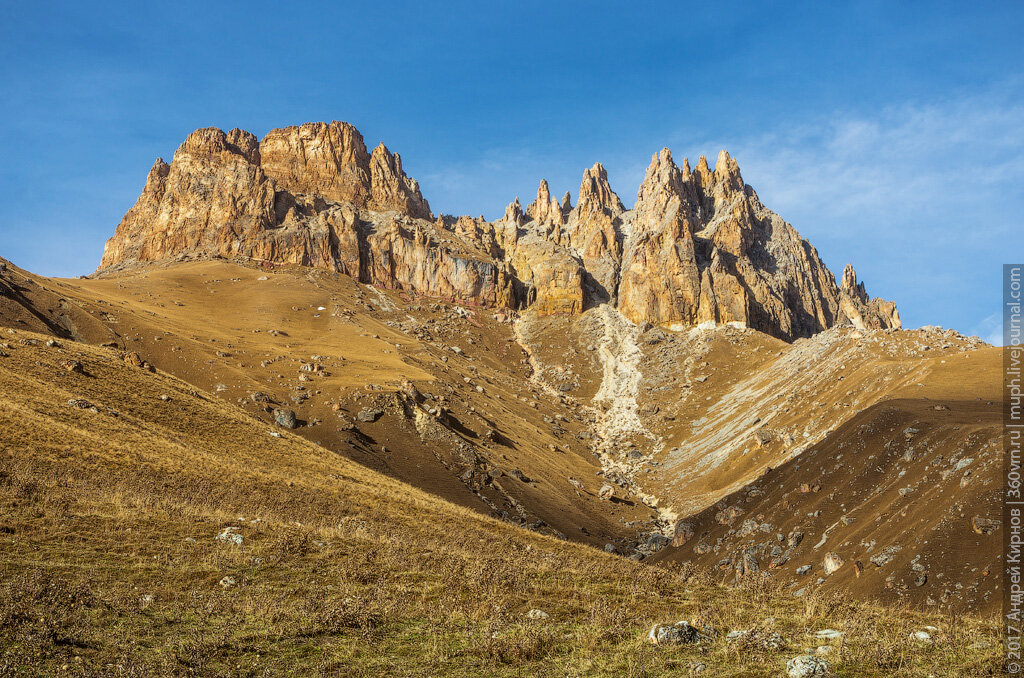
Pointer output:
x,y
912,164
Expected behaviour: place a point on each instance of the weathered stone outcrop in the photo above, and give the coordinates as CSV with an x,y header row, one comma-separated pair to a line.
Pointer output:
x,y
325,159
697,248
544,209
594,233
862,312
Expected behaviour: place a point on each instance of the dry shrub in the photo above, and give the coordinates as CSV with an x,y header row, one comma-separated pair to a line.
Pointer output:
x,y
518,644
325,612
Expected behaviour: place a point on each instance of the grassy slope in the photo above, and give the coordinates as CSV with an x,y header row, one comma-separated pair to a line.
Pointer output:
x,y
108,562
916,493
218,326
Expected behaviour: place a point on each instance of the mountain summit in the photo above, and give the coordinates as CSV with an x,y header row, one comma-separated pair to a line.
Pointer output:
x,y
697,248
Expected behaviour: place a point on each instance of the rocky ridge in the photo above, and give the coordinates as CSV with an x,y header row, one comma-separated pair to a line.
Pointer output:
x,y
697,248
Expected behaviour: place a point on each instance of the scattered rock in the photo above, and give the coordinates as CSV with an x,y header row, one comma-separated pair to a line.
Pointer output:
x,y
806,665
683,533
285,417
673,634
985,525
832,562
537,614
728,516
368,415
884,556
230,535
73,366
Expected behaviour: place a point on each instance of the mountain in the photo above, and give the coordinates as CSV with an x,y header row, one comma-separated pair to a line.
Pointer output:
x,y
697,248
531,418
298,421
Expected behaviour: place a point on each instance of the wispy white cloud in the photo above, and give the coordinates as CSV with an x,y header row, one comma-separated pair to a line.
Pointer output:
x,y
908,163
990,329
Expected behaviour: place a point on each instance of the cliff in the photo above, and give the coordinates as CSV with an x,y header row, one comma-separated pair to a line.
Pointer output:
x,y
697,248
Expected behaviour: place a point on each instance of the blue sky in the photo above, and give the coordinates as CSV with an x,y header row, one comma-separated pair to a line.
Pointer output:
x,y
890,134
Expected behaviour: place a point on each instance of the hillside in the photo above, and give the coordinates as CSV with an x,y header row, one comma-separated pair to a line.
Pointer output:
x,y
151,527
531,418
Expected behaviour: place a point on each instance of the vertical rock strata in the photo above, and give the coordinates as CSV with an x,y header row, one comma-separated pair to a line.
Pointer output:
x,y
697,248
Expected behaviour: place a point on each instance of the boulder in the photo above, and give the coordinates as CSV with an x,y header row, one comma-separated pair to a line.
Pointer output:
x,y
674,634
805,666
369,414
832,562
285,417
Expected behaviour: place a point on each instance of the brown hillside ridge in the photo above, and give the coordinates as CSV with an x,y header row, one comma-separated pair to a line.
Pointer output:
x,y
151,528
698,247
527,418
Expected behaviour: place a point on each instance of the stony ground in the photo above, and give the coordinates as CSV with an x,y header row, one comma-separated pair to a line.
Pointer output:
x,y
150,527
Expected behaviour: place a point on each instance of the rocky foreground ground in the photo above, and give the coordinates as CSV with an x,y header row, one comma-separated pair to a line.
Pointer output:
x,y
152,527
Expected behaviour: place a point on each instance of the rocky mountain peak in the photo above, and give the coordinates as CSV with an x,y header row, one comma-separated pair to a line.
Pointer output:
x,y
326,159
514,212
662,180
727,172
391,189
863,312
850,286
697,248
702,172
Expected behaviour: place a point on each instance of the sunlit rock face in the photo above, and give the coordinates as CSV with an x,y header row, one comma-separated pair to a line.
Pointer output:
x,y
697,249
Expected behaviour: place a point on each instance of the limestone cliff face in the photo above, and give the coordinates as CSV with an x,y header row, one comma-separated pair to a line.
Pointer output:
x,y
704,250
698,247
329,160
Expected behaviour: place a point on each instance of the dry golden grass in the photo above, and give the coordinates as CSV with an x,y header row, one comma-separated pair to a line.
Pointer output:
x,y
109,563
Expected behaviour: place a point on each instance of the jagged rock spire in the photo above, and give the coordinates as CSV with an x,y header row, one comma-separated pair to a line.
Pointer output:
x,y
727,172
545,209
514,212
390,188
596,193
662,179
850,286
